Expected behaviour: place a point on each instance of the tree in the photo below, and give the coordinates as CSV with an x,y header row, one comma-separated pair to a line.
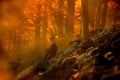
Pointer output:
x,y
37,26
69,22
99,13
60,18
85,24
33,13
104,13
0,8
91,10
45,24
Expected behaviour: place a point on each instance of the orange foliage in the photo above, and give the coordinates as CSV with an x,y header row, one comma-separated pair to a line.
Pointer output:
x,y
31,8
111,4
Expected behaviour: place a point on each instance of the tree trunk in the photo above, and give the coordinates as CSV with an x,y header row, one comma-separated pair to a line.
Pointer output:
x,y
104,14
0,10
91,11
37,27
45,25
60,18
98,13
69,22
84,12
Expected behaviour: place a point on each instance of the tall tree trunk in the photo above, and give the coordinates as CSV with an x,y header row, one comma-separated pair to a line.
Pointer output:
x,y
0,9
37,27
45,25
91,11
84,12
1,15
69,23
98,13
60,17
104,14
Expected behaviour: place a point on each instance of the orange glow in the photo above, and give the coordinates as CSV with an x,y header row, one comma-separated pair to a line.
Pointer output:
x,y
5,73
111,4
77,7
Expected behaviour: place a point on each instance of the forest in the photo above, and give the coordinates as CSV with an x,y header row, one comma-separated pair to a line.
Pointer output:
x,y
85,32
